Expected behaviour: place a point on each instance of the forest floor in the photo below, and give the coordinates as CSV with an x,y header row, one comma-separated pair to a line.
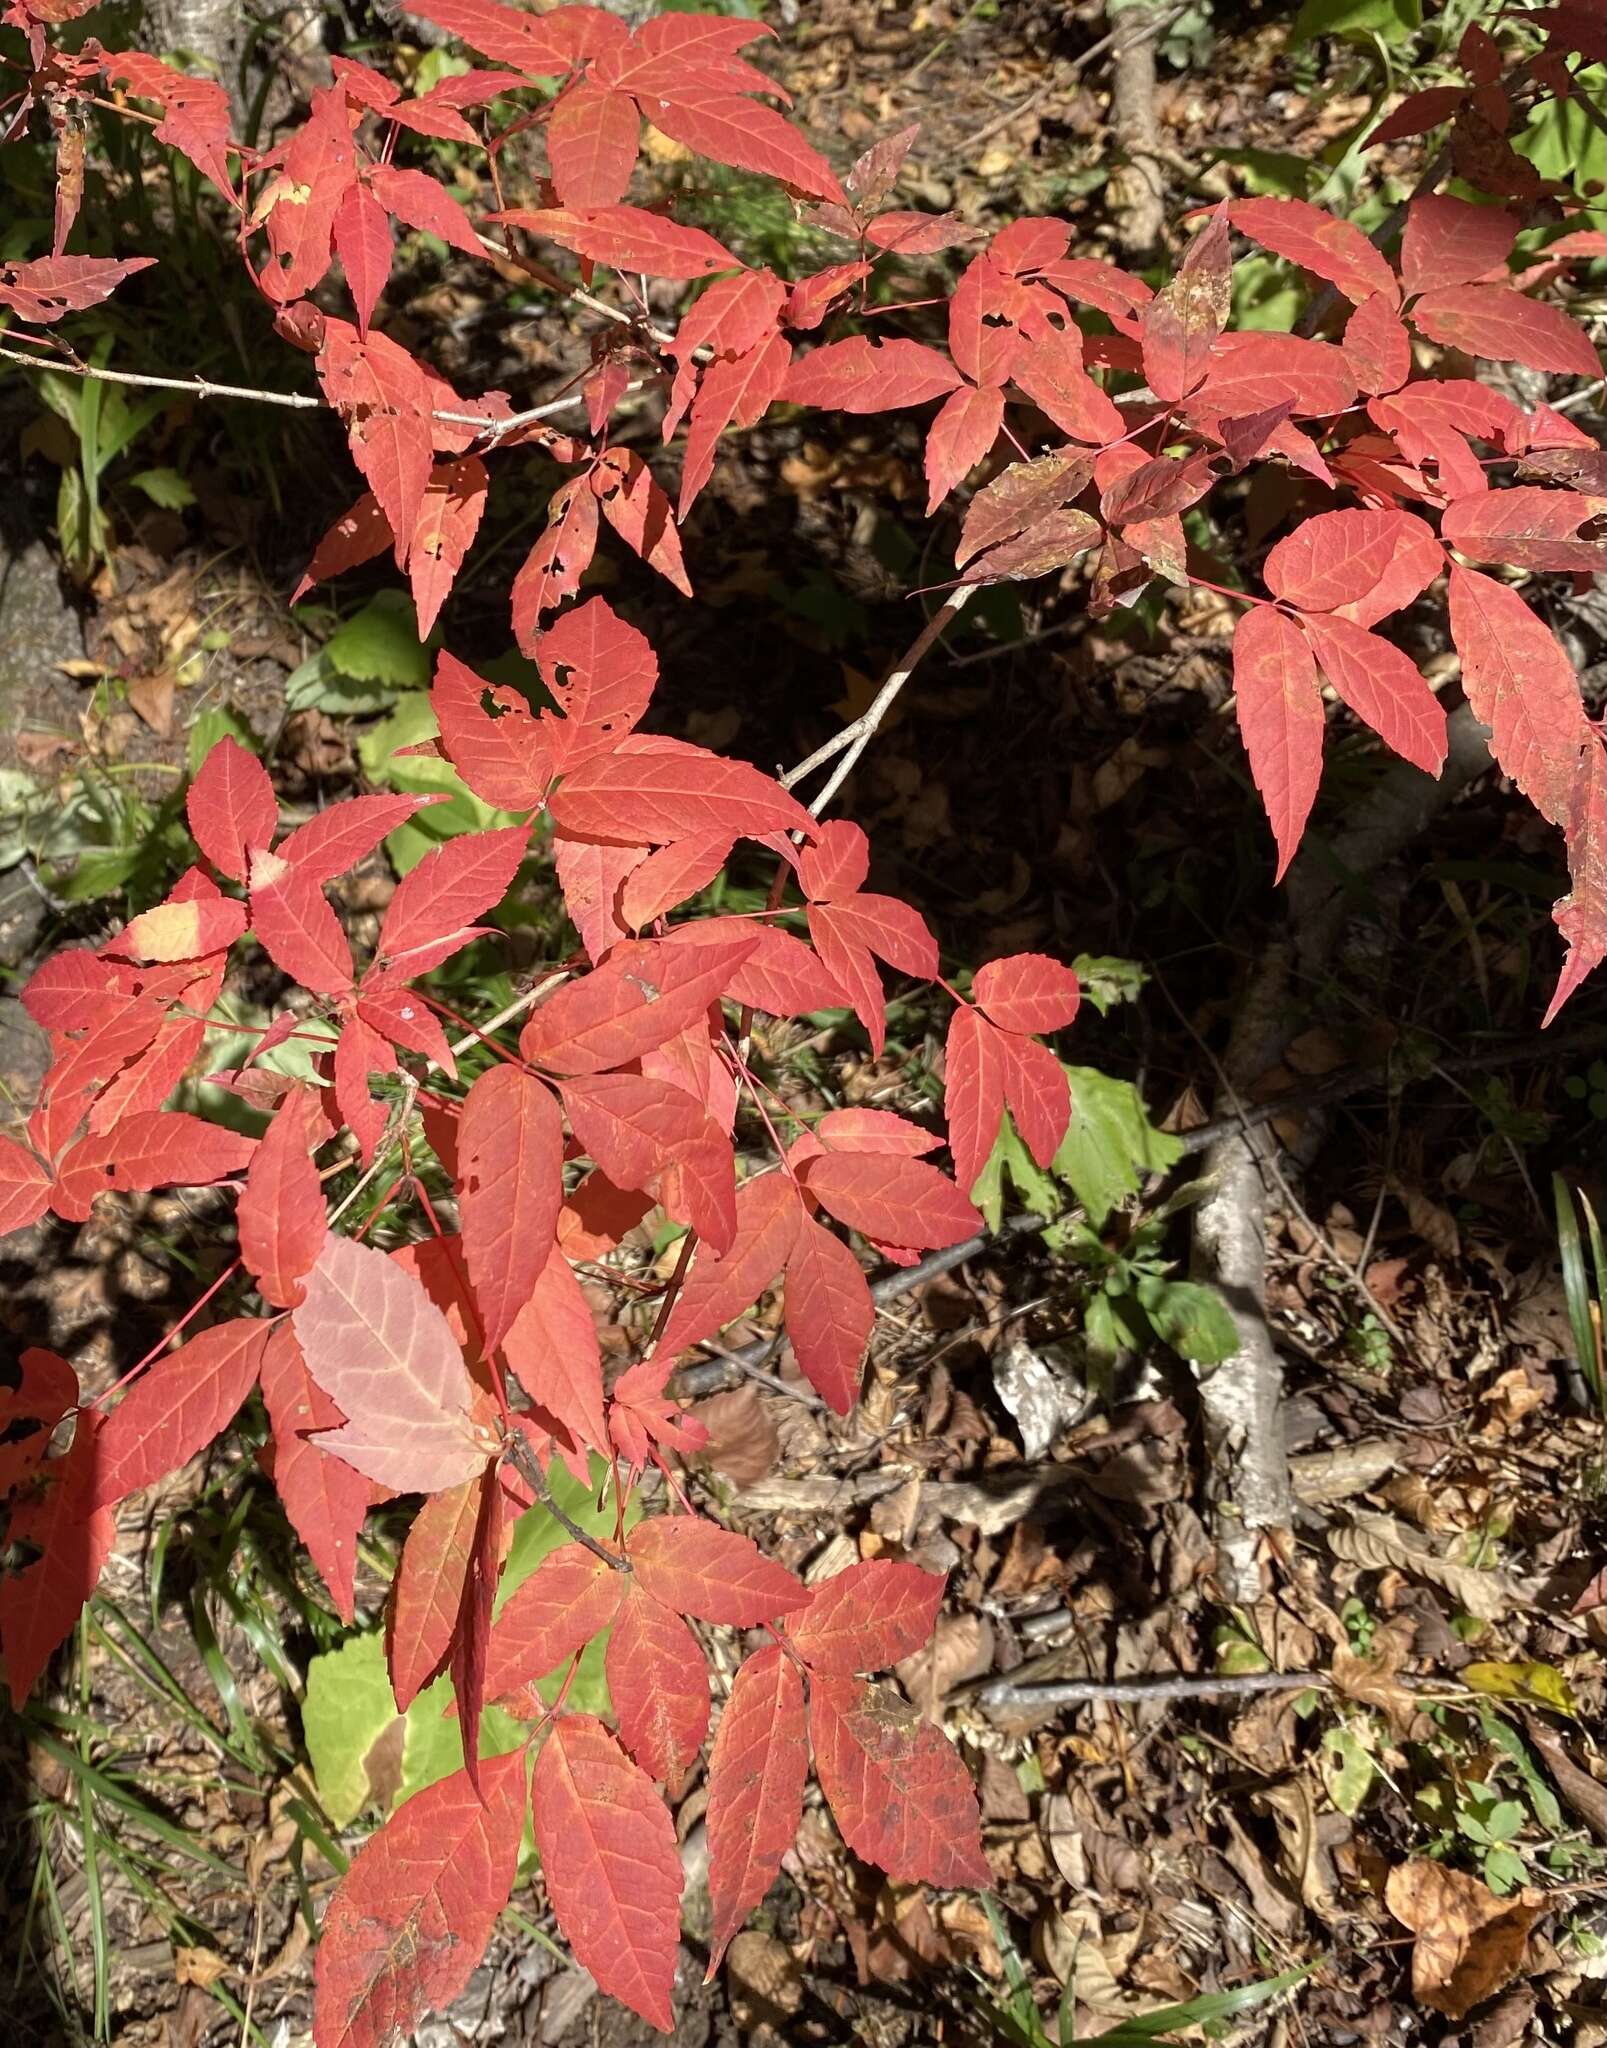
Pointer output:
x,y
1418,1819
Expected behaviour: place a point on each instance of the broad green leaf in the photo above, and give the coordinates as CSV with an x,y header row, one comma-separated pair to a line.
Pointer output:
x,y
1110,1143
164,487
1193,1319
1390,21
380,644
347,1708
1107,980
1010,1158
1543,1684
1347,1769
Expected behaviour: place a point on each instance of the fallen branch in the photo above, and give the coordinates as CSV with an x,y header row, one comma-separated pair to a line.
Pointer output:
x,y
1138,1692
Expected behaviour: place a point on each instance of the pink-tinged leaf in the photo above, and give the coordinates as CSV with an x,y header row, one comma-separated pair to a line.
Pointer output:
x,y
1028,992
73,1534
966,427
667,878
1494,321
552,1350
296,927
696,1567
182,930
231,807
47,1387
781,976
146,1083
491,736
382,1351
419,201
640,514
894,1201
72,992
735,390
356,537
1382,686
646,992
722,1287
592,137
427,1592
324,1498
570,1597
745,134
184,1400
544,45
732,316
986,311
592,877
449,889
1181,323
896,1785
42,291
1037,1094
973,1092
650,1134
1335,250
1086,280
385,399
317,169
1581,916
874,1130
1521,684
867,1618
411,1918
920,234
1449,241
663,790
849,962
894,931
626,238
861,376
601,673
668,49
362,232
159,1149
281,1210
24,1186
1252,372
757,1770
658,1682
829,1314
1051,373
837,864
610,1865
812,298
447,523
1377,346
1279,705
510,1168
641,1417
1526,527
553,568
1360,565
1020,498
359,1052
333,842
196,115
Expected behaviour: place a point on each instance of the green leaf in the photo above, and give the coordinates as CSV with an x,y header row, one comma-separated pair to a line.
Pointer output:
x,y
1541,1684
420,774
1347,1769
1358,21
164,487
380,644
1193,1319
1110,1143
348,1707
214,724
1011,1159
1107,981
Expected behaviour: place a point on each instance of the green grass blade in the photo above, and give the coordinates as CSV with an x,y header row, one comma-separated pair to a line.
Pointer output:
x,y
1576,1284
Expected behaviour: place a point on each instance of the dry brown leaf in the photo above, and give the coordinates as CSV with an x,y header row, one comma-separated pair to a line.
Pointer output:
x,y
1375,1681
1470,1944
961,1648
743,1444
199,1966
1380,1543
152,698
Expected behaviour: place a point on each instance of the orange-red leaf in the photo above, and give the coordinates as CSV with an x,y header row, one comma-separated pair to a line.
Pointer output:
x,y
24,1186
868,1617
1494,321
698,1568
1359,565
296,927
658,790
645,993
1521,684
570,1597
756,1783
973,1091
658,1681
552,1350
73,1534
592,135
1279,706
281,1210
860,375
231,807
894,1201
722,1287
650,1134
1029,992
1382,686
427,1592
829,1314
448,889
1451,241
1529,528
1181,323
510,1168
157,1149
324,1497
626,238
1330,248
184,1400
896,1785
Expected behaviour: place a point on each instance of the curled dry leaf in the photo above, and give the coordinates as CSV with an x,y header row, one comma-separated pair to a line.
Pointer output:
x,y
1470,1944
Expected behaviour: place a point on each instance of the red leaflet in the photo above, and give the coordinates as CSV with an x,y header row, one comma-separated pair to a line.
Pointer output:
x,y
658,1681
875,1130
73,1536
545,46
570,1597
447,523
626,238
1019,500
1419,112
1495,321
722,1287
1360,565
658,790
896,1785
592,878
552,1350
1383,687
1581,917
231,807
867,1617
648,1133
1180,324
733,390
325,1499
894,1201
554,566
381,1349
865,376
645,992
610,1865
592,137
973,1091
296,927
829,1314
281,1211
472,1635
334,841
1279,707
356,537
698,1568
639,513
757,1770
1377,346
672,874
965,429
410,1920
1052,375
418,201
1333,249
440,898
494,741
920,234
182,931
40,292
510,1166
184,1400
386,400
46,1389
362,236
318,167
1521,684
1529,528
147,1082
1252,372
25,1185
159,1149
602,674
1028,992
427,1592
195,111
745,134
1449,241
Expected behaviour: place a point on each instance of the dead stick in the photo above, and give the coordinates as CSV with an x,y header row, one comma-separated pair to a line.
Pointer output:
x,y
1137,1692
